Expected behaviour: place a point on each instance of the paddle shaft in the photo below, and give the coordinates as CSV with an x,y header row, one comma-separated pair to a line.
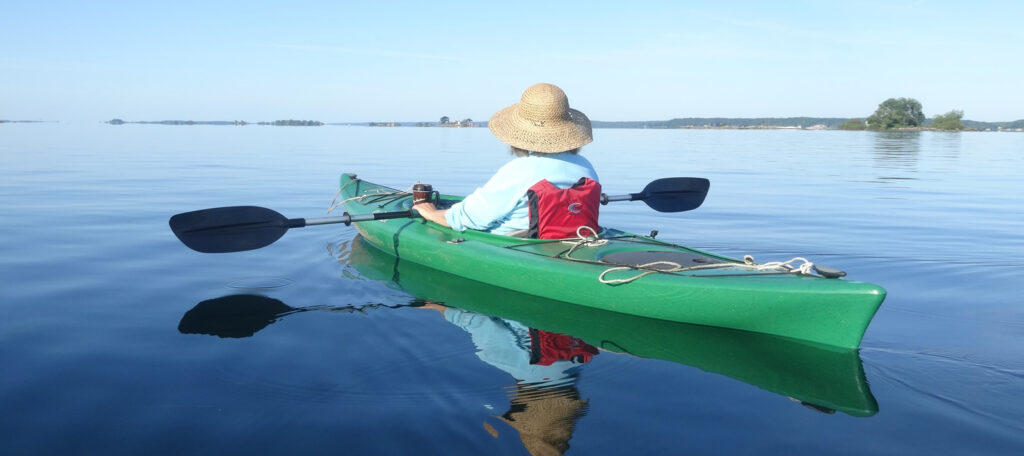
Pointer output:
x,y
347,219
240,228
605,199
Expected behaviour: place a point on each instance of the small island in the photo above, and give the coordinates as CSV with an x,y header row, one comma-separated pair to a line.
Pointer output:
x,y
906,113
293,123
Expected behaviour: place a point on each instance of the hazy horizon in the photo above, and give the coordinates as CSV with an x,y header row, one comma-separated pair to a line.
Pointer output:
x,y
365,62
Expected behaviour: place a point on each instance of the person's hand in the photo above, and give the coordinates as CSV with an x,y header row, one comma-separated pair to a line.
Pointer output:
x,y
424,206
430,212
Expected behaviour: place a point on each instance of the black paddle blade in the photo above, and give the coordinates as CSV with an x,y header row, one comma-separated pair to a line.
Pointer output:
x,y
675,194
230,229
233,316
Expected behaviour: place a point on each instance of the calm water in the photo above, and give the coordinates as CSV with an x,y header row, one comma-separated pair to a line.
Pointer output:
x,y
107,350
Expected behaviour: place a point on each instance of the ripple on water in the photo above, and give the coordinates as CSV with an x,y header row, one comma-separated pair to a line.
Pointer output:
x,y
259,283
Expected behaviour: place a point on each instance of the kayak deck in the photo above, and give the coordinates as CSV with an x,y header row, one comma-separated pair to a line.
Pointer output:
x,y
699,288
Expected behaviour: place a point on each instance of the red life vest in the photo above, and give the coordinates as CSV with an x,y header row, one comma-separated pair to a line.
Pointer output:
x,y
557,213
547,347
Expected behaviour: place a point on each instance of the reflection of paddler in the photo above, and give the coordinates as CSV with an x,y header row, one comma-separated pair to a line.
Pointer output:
x,y
545,417
545,404
533,357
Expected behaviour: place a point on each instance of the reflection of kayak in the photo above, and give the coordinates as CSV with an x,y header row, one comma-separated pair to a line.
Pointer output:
x,y
817,374
704,289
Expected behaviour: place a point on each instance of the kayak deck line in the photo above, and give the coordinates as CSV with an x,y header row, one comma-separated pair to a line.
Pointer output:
x,y
771,298
631,260
336,204
780,267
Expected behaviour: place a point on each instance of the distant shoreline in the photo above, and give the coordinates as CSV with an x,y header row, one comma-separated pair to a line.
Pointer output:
x,y
694,123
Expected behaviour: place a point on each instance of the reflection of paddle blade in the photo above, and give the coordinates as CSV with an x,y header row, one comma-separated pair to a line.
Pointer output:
x,y
233,316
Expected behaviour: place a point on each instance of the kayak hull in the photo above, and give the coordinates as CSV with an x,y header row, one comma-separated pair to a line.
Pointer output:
x,y
829,311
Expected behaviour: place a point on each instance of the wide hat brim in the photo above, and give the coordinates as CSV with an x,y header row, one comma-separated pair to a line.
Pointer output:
x,y
569,130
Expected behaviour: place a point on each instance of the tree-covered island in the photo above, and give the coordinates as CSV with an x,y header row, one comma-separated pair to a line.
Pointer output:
x,y
904,114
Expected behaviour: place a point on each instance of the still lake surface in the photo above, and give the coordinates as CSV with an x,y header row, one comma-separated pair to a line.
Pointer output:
x,y
102,355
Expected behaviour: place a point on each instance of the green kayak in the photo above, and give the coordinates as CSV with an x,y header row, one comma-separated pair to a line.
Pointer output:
x,y
626,273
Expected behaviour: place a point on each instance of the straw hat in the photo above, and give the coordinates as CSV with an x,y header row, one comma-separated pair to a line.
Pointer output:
x,y
542,122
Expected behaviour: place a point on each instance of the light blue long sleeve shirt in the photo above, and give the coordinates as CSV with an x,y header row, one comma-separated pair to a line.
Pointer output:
x,y
501,206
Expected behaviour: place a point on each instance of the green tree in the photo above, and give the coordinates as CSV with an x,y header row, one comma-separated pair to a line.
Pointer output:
x,y
897,113
853,124
949,121
444,120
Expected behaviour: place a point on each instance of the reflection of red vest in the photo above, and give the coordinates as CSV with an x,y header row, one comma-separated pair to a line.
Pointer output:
x,y
557,213
547,347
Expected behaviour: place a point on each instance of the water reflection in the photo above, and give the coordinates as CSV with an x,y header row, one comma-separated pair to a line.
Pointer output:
x,y
543,346
544,403
945,145
243,315
545,418
897,150
233,316
830,378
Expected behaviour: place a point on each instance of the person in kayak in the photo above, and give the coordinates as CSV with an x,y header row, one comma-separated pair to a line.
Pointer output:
x,y
545,136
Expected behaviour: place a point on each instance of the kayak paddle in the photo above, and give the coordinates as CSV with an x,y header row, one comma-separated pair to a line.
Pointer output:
x,y
670,194
241,228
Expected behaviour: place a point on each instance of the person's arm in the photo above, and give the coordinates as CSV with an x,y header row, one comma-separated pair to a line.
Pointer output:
x,y
432,213
483,208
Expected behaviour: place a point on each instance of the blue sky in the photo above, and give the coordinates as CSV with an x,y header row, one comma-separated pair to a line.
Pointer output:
x,y
404,61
